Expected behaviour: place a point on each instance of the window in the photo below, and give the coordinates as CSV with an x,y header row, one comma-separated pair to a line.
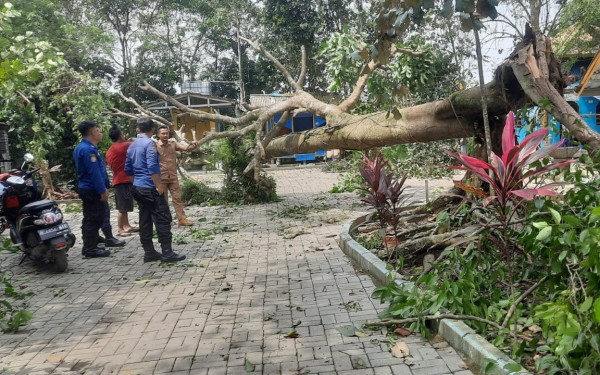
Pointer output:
x,y
303,122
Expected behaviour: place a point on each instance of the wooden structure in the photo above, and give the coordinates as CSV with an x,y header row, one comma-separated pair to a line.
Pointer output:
x,y
188,127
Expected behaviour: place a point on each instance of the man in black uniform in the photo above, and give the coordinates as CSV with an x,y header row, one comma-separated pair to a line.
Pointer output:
x,y
142,163
93,187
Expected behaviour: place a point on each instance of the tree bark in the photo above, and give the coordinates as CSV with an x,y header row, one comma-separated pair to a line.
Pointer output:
x,y
445,119
531,74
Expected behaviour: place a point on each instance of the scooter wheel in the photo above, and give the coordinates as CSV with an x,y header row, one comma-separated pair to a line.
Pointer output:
x,y
60,262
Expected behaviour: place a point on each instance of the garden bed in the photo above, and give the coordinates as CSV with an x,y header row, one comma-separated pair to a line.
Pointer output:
x,y
460,336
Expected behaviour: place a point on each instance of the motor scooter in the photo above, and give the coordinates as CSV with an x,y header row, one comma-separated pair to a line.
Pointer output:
x,y
35,224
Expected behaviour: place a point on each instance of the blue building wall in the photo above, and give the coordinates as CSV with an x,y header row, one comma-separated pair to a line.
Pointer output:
x,y
301,122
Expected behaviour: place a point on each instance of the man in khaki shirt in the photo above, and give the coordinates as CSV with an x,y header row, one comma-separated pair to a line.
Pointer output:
x,y
167,149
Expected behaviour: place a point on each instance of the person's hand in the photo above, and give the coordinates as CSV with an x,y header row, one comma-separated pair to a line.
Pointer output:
x,y
160,189
104,196
195,145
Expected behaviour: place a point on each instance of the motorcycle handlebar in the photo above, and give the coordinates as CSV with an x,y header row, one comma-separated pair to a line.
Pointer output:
x,y
30,173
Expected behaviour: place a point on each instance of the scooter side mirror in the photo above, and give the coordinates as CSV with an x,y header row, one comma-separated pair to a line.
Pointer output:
x,y
27,159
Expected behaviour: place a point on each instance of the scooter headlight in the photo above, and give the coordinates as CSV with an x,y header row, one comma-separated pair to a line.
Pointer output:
x,y
48,218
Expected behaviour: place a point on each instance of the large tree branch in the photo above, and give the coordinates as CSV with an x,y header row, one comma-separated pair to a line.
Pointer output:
x,y
210,136
280,125
530,74
451,118
365,74
144,111
532,70
302,76
361,132
282,69
359,87
206,116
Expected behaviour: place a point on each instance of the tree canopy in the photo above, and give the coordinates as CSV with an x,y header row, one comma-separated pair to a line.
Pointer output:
x,y
405,59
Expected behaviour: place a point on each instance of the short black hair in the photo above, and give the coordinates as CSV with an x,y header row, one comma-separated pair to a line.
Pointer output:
x,y
85,126
145,124
115,133
163,127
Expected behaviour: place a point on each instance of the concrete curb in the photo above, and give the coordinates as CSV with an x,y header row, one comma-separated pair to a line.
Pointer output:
x,y
460,336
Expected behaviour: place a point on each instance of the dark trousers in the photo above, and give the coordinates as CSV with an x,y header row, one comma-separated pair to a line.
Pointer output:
x,y
106,227
153,209
93,217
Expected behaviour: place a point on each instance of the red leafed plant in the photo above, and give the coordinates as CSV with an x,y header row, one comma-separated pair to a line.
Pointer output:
x,y
384,192
511,173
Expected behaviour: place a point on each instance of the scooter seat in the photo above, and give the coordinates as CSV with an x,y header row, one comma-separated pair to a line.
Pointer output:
x,y
37,206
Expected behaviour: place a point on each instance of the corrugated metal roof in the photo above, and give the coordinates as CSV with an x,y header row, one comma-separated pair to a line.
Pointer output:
x,y
187,99
264,100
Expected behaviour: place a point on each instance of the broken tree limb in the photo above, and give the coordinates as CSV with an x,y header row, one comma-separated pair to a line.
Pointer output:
x,y
282,69
392,322
412,247
514,305
303,68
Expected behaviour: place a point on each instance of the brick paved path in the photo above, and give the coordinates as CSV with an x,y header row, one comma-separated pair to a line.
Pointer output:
x,y
256,273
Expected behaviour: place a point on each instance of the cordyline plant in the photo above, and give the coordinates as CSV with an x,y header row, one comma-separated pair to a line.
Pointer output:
x,y
384,192
511,173
508,180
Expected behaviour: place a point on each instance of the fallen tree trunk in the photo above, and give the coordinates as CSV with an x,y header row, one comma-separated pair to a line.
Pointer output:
x,y
530,75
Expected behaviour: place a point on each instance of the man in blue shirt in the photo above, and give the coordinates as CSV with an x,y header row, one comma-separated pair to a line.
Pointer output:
x,y
93,187
142,163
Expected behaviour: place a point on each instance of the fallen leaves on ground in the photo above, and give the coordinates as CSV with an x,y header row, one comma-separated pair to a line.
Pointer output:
x,y
400,350
249,366
351,331
401,331
292,335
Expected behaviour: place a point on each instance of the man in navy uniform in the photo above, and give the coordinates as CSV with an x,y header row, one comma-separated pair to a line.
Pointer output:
x,y
142,163
93,187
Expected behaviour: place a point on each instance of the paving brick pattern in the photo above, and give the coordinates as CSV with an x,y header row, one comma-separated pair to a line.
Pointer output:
x,y
275,271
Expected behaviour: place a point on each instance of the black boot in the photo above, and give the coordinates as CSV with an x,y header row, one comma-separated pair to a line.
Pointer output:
x,y
171,256
90,248
96,252
152,256
113,242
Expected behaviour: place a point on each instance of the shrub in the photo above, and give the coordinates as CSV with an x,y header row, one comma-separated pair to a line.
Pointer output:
x,y
11,316
239,187
194,192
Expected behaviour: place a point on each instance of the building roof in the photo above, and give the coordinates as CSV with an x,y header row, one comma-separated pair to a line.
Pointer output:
x,y
192,100
265,100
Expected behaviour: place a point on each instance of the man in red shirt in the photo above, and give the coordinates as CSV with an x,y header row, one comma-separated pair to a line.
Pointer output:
x,y
115,157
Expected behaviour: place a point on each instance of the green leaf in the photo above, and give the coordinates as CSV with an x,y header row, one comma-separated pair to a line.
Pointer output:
x,y
597,310
540,224
571,220
544,233
347,330
555,215
249,366
586,305
515,367
563,254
